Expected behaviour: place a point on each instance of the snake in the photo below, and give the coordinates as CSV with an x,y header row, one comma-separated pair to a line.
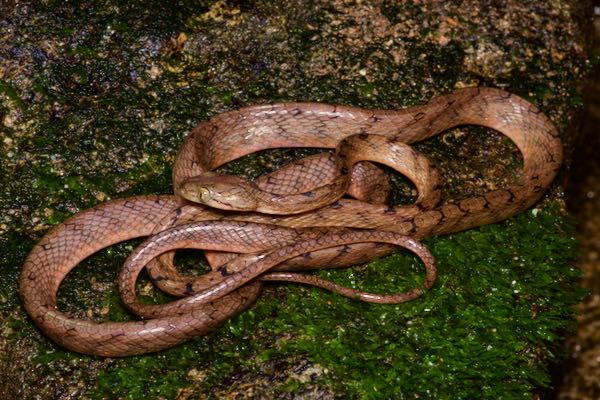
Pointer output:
x,y
347,230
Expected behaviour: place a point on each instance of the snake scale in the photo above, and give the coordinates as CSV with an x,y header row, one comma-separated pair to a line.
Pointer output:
x,y
338,233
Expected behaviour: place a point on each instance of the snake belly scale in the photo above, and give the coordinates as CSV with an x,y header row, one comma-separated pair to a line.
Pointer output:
x,y
234,134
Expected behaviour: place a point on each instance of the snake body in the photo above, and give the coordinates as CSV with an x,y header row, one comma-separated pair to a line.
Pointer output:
x,y
234,134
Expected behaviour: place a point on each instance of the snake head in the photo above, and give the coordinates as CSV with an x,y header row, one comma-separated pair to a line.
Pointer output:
x,y
225,192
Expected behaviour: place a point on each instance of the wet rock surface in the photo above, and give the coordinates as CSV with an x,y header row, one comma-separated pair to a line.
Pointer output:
x,y
579,376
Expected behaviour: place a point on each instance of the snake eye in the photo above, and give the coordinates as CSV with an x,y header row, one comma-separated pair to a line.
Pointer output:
x,y
204,194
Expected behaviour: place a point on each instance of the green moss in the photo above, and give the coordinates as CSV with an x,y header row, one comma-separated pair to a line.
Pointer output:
x,y
13,249
12,94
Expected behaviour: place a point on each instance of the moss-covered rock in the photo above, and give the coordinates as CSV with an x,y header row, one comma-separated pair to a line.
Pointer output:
x,y
95,100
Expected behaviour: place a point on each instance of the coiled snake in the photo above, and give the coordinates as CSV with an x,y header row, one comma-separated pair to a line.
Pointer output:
x,y
340,231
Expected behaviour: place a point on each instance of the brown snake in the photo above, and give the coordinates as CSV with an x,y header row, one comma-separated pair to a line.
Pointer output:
x,y
305,239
